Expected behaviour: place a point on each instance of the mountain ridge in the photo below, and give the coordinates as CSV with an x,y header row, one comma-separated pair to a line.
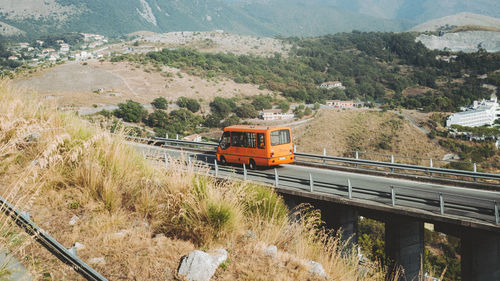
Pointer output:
x,y
251,17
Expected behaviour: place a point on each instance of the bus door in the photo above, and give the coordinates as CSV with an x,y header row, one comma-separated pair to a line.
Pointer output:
x,y
237,149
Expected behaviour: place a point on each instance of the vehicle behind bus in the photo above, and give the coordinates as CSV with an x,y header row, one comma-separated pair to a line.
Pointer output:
x,y
256,146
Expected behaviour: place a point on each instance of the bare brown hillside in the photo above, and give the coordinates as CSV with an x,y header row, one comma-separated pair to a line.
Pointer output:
x,y
76,84
342,132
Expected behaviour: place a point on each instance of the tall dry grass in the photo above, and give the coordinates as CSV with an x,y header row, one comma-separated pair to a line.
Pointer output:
x,y
58,165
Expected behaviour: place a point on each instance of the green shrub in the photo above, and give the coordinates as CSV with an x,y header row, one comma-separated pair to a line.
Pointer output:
x,y
160,103
190,104
131,111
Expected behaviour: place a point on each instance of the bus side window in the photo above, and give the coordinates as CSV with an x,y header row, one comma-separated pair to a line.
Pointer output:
x,y
250,140
236,139
224,142
261,140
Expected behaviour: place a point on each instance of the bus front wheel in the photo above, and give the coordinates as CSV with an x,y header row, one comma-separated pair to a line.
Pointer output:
x,y
251,164
223,160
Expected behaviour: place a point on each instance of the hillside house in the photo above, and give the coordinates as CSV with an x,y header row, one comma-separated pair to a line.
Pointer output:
x,y
64,48
340,103
332,85
275,114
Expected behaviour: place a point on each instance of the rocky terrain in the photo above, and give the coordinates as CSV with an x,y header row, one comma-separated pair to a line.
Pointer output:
x,y
217,41
468,41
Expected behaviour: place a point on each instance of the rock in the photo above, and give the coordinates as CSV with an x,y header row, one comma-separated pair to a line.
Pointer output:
x,y
33,137
73,220
100,261
271,251
119,235
317,269
250,235
201,266
78,246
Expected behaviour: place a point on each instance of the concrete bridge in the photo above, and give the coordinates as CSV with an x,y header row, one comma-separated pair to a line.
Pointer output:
x,y
403,205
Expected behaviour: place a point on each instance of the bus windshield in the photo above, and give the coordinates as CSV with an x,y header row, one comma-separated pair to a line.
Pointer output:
x,y
280,137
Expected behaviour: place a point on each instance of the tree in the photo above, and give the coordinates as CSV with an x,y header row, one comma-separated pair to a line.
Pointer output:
x,y
246,110
316,105
231,120
131,111
212,121
222,107
262,102
160,103
158,118
284,106
188,103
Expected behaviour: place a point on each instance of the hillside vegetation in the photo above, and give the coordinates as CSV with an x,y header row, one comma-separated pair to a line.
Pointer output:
x,y
374,67
141,217
342,132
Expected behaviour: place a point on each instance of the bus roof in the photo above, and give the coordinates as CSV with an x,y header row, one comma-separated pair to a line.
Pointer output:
x,y
252,127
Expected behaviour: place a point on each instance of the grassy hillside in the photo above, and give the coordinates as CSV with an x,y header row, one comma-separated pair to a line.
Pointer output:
x,y
377,132
138,216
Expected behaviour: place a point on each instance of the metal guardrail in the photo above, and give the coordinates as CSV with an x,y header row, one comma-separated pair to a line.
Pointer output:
x,y
431,171
424,169
438,203
49,243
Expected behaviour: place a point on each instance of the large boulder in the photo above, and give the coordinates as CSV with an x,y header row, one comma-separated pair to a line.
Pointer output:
x,y
201,266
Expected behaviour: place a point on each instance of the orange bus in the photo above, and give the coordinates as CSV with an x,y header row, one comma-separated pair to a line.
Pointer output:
x,y
255,146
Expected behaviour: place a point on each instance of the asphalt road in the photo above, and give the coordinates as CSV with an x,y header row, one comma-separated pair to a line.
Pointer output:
x,y
460,204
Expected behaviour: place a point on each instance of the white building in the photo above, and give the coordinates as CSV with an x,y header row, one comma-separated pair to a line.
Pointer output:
x,y
340,103
332,85
482,113
275,114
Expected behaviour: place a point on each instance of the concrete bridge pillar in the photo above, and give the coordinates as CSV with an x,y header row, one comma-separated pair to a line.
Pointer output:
x,y
404,244
341,217
480,256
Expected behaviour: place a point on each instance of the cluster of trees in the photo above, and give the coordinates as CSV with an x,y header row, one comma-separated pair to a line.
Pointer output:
x,y
179,121
223,112
374,67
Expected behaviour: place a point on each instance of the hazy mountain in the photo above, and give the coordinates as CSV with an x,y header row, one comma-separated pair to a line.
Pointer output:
x,y
254,17
419,10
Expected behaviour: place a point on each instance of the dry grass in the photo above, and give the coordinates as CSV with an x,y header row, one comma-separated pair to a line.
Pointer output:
x,y
343,131
140,217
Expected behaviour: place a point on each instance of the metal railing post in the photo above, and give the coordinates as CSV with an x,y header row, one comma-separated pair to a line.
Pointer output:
x,y
357,157
475,171
431,166
244,172
311,183
349,189
276,177
189,160
441,203
177,136
216,168
166,160
166,135
393,196
392,162
324,154
497,217
294,148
